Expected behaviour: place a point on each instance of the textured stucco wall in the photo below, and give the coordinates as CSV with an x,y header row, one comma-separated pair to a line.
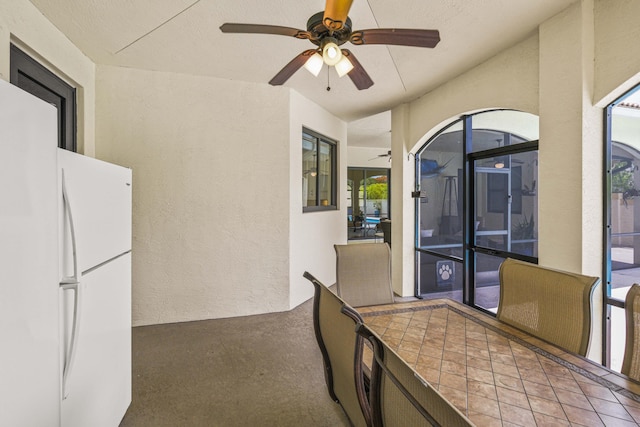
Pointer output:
x,y
571,152
617,51
508,80
22,24
211,173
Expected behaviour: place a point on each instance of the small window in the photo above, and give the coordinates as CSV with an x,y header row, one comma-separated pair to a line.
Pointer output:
x,y
31,76
318,172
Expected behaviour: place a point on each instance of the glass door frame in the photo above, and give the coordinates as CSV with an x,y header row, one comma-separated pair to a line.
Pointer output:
x,y
367,172
471,249
607,228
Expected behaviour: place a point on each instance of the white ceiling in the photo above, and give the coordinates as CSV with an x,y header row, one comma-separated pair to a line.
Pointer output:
x,y
183,36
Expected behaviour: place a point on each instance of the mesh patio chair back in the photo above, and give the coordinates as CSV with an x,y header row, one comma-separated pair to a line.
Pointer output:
x,y
363,273
631,361
550,304
340,346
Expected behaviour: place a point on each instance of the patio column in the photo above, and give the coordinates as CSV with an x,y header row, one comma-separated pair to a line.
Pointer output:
x,y
571,150
402,205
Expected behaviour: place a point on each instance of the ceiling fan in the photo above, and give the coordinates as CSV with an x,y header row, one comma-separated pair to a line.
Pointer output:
x,y
330,29
387,154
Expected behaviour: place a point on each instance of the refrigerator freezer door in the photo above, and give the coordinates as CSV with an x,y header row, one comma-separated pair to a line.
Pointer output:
x,y
100,197
29,359
99,385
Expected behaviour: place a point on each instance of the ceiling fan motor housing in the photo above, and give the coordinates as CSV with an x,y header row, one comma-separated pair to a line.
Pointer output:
x,y
319,32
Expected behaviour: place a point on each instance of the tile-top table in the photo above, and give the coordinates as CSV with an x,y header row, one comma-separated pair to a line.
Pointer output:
x,y
498,375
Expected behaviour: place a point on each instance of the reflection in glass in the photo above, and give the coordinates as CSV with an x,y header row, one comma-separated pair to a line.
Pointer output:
x,y
440,208
368,201
506,203
318,163
325,174
309,170
487,292
625,215
618,336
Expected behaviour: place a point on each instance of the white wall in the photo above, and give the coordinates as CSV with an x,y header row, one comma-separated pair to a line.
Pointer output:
x,y
313,234
210,160
22,24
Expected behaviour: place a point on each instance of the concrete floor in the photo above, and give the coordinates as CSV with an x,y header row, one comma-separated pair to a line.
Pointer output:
x,y
261,370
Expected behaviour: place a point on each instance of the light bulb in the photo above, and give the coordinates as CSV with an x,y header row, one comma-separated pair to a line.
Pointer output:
x,y
331,53
314,64
344,66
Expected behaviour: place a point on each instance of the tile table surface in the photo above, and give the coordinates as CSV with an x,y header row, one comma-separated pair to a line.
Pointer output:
x,y
498,375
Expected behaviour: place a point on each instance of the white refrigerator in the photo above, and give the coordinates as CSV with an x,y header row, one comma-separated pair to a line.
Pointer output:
x,y
95,290
65,290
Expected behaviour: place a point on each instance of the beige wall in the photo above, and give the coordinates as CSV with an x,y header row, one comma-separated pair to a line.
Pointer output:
x,y
218,223
617,51
22,24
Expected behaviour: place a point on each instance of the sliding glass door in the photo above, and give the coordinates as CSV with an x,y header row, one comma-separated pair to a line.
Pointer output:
x,y
368,201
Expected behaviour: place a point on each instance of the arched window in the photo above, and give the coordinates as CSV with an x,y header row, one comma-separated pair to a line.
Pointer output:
x,y
478,204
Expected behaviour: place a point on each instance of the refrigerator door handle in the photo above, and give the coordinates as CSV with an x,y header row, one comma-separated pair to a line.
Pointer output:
x,y
70,283
69,213
73,342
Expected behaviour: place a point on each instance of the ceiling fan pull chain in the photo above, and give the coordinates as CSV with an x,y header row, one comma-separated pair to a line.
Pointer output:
x,y
328,85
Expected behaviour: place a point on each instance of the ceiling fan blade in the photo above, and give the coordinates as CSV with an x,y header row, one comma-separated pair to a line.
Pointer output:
x,y
358,75
289,69
396,36
264,29
335,13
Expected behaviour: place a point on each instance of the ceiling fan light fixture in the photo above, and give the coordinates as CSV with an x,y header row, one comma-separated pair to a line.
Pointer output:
x,y
331,53
314,64
343,66
499,164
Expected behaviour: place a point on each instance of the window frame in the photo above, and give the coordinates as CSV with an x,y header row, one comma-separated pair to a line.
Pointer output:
x,y
333,191
34,78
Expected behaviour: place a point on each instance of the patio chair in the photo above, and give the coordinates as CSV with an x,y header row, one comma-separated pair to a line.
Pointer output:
x,y
340,345
399,397
631,361
363,273
385,226
550,304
